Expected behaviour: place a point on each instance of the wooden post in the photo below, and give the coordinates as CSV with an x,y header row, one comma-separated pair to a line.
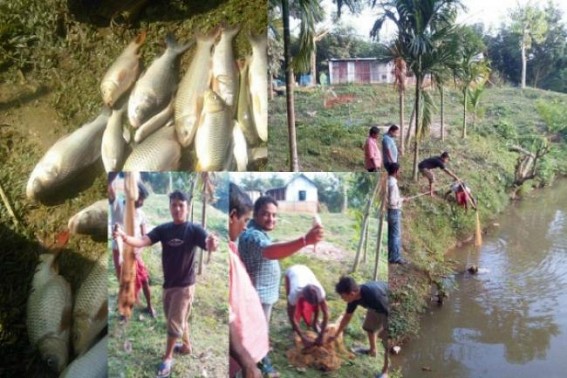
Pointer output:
x,y
365,218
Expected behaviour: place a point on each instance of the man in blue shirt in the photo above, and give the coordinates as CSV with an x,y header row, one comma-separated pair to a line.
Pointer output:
x,y
389,148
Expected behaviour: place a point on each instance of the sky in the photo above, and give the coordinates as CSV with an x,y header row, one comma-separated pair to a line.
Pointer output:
x,y
489,12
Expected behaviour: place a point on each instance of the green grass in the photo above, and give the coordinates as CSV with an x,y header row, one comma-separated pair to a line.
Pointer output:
x,y
340,232
331,140
210,310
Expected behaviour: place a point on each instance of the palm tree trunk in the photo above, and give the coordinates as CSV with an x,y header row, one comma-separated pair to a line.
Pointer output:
x,y
314,68
289,84
524,64
442,90
408,135
401,122
418,81
365,245
465,114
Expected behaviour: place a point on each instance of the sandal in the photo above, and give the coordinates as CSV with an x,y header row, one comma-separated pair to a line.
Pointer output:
x,y
164,369
265,366
180,348
364,351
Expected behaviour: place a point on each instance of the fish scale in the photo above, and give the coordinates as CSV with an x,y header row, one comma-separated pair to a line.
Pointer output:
x,y
48,314
113,143
158,152
90,309
214,135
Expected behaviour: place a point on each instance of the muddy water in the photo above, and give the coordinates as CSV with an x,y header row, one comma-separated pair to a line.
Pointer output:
x,y
510,320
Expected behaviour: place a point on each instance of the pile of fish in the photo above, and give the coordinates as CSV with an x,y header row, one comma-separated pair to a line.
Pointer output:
x,y
219,110
55,322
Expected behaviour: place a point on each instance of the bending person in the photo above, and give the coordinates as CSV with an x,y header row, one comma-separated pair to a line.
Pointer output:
x,y
305,297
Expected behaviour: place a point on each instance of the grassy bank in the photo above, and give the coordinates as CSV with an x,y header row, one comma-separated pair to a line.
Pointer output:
x,y
331,139
332,258
147,336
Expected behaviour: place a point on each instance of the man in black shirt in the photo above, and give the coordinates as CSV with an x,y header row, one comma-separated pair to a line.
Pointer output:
x,y
373,296
178,240
425,167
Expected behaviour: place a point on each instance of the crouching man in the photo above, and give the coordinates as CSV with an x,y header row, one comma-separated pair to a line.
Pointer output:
x,y
305,297
373,296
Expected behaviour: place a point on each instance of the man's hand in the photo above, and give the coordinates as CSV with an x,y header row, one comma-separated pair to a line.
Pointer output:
x,y
319,340
251,372
332,338
212,242
117,232
315,234
306,342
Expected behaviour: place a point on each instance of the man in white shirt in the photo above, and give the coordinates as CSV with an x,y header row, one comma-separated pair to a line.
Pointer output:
x,y
394,216
305,297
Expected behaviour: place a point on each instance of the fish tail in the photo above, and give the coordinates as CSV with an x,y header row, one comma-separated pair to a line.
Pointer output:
x,y
230,31
211,36
174,46
258,40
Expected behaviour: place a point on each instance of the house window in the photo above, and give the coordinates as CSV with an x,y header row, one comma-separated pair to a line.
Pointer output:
x,y
302,195
384,77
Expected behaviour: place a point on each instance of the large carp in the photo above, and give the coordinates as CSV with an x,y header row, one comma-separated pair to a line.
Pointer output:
x,y
189,98
157,84
49,310
67,157
123,73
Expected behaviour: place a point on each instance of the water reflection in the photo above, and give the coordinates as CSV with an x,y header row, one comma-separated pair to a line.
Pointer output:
x,y
510,319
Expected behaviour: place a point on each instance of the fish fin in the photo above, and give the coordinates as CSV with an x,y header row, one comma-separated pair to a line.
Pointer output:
x,y
122,75
242,64
102,312
229,30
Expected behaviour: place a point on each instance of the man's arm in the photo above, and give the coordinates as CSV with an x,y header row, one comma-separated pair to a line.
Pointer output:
x,y
144,241
344,323
242,356
277,251
295,326
325,310
448,171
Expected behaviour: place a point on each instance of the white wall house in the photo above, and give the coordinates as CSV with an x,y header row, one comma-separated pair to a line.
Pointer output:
x,y
298,195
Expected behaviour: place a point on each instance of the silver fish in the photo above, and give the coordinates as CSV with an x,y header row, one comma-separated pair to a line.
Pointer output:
x,y
159,152
244,108
154,123
92,220
90,312
225,76
67,157
240,149
93,364
123,72
49,314
213,139
189,98
157,84
258,79
114,142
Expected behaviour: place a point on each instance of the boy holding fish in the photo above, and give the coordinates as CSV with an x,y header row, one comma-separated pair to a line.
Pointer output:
x,y
179,240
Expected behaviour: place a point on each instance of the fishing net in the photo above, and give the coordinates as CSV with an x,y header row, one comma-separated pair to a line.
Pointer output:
x,y
327,357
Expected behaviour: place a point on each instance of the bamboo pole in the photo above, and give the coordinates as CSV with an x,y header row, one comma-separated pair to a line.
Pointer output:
x,y
380,226
365,218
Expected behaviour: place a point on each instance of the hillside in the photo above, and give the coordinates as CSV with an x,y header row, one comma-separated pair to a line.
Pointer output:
x,y
331,139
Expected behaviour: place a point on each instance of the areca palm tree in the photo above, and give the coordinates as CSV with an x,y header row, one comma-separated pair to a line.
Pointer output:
x,y
309,13
423,27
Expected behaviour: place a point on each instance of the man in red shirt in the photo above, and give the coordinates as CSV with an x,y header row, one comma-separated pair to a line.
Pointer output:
x,y
372,156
